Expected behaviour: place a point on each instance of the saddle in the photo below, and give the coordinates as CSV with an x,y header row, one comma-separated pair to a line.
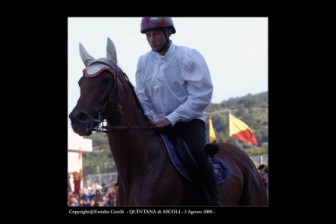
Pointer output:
x,y
184,161
184,154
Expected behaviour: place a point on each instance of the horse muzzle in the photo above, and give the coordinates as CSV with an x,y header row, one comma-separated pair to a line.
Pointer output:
x,y
82,123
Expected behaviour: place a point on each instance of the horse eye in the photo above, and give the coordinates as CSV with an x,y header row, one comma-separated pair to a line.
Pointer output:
x,y
106,80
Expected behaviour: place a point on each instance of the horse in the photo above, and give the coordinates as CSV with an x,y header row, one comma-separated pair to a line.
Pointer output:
x,y
146,175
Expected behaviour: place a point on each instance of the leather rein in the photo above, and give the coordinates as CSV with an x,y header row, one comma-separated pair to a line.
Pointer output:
x,y
105,128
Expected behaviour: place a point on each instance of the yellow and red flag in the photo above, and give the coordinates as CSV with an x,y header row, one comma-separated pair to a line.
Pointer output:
x,y
212,135
238,129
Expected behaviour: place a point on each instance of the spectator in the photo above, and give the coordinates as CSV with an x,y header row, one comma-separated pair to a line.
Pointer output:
x,y
87,188
77,180
112,195
263,172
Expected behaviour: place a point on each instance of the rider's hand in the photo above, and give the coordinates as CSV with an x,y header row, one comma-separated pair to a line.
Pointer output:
x,y
162,123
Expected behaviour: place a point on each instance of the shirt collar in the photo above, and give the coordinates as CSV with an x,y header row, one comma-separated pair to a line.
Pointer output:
x,y
170,51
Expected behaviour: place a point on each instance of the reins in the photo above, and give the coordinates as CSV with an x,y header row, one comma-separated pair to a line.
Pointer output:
x,y
105,128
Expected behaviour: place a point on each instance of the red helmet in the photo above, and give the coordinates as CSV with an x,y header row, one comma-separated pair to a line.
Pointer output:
x,y
151,23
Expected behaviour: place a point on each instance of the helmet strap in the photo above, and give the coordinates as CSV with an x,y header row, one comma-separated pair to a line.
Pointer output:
x,y
166,45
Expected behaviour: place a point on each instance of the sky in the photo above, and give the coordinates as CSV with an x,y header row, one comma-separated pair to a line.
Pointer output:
x,y
235,49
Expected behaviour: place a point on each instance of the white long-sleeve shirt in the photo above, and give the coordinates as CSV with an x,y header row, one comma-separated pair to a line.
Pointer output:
x,y
176,86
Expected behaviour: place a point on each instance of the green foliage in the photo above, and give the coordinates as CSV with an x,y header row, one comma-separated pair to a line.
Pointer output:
x,y
100,160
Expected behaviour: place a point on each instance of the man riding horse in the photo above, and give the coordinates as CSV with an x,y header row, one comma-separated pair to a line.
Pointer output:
x,y
173,84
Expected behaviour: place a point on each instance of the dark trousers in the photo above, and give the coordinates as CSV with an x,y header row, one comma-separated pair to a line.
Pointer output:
x,y
194,135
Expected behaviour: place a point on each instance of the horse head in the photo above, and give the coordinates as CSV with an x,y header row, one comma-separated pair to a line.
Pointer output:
x,y
97,85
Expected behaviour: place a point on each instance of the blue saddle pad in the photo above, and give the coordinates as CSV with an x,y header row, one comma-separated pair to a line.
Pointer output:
x,y
221,171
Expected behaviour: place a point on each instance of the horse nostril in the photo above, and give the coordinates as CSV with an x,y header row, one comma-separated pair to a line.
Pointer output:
x,y
82,116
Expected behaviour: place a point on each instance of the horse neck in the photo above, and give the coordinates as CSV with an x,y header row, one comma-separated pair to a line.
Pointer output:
x,y
126,145
125,110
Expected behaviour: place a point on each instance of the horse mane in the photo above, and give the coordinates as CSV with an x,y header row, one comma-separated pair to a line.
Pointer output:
x,y
135,96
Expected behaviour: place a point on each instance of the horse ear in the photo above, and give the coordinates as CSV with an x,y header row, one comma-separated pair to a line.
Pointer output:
x,y
86,57
111,53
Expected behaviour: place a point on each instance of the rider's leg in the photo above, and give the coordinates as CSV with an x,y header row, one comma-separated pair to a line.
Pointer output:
x,y
194,135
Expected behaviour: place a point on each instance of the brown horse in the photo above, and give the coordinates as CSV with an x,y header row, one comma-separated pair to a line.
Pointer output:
x,y
146,175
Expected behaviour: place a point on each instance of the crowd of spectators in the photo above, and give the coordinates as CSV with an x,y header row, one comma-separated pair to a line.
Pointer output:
x,y
93,195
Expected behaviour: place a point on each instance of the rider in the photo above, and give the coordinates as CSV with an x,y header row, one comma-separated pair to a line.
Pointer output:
x,y
174,86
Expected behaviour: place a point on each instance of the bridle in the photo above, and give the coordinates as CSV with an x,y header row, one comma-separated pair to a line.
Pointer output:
x,y
101,121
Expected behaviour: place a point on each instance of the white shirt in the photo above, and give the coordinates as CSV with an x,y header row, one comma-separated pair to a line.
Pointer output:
x,y
176,86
